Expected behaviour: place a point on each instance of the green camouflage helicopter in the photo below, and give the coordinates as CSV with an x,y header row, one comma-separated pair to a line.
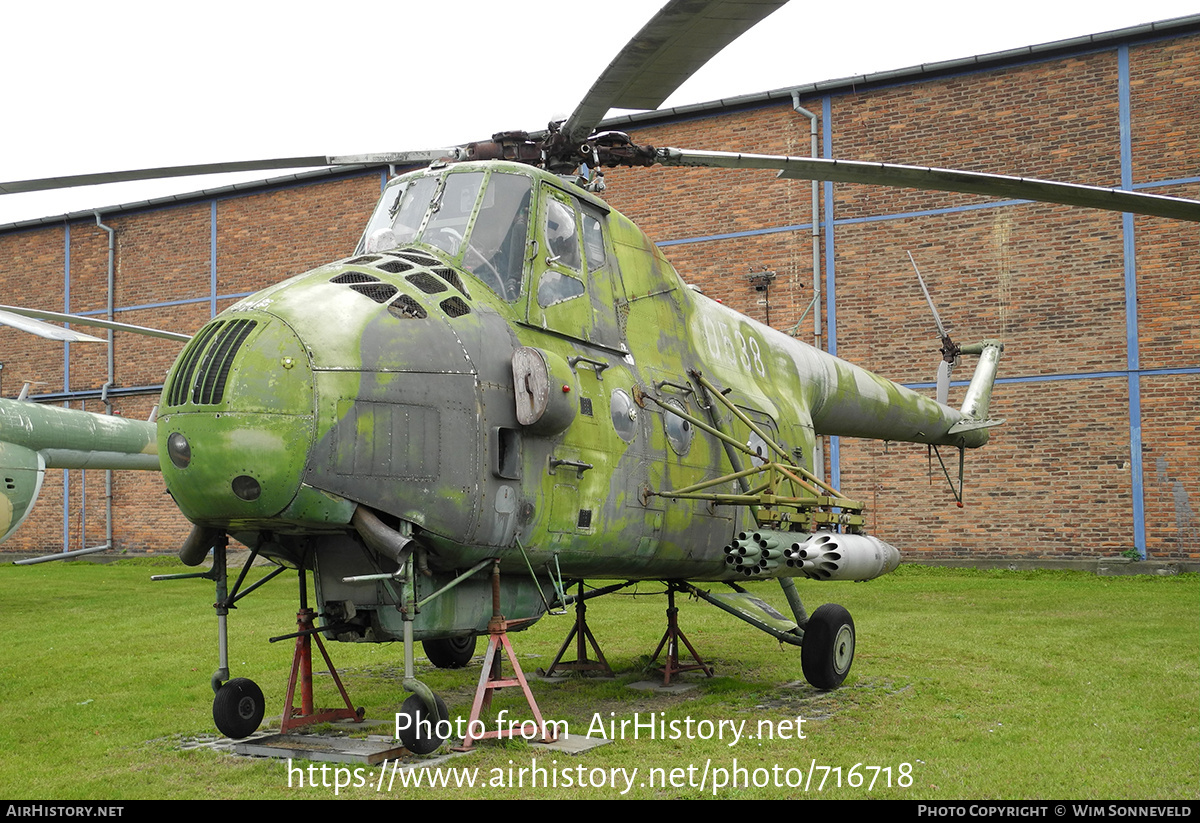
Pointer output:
x,y
507,390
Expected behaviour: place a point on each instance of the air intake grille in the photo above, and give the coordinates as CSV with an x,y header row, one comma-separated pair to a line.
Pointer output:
x,y
213,370
178,394
451,277
394,266
351,277
204,368
405,308
426,282
379,292
455,307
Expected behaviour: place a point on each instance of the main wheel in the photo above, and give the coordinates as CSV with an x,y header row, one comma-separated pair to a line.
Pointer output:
x,y
238,708
828,649
450,652
421,734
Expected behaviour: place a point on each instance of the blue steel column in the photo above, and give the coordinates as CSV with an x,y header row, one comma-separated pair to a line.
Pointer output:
x,y
1132,360
212,258
66,474
835,450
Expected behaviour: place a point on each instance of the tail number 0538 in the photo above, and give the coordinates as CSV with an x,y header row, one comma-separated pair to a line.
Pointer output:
x,y
732,347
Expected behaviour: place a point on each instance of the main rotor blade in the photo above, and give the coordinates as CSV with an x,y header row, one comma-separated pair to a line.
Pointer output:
x,y
682,37
919,177
166,172
46,330
94,321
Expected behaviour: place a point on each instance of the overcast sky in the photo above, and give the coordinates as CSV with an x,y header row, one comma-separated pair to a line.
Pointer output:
x,y
128,84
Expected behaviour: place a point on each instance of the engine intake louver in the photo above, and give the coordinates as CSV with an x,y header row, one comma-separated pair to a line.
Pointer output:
x,y
204,367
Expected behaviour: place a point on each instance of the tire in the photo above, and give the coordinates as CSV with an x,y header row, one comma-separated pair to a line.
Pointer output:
x,y
828,649
238,708
450,652
417,738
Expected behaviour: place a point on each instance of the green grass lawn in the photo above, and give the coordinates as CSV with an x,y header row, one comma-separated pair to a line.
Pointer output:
x,y
965,685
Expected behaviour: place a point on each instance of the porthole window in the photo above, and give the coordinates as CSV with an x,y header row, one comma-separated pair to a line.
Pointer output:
x,y
624,415
679,431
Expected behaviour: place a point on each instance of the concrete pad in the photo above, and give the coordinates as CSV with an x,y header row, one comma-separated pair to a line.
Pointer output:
x,y
574,744
324,749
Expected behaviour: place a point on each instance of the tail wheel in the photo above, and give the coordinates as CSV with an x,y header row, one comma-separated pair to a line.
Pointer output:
x,y
828,649
421,734
450,652
238,708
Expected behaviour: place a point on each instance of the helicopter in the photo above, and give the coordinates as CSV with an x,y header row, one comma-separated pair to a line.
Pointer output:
x,y
508,376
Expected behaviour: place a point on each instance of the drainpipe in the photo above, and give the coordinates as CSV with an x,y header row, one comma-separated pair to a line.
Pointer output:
x,y
108,475
819,455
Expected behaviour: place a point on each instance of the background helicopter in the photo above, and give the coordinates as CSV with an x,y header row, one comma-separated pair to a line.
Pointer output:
x,y
719,345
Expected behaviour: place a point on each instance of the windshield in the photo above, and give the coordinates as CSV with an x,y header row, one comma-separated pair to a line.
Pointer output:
x,y
495,252
487,232
397,218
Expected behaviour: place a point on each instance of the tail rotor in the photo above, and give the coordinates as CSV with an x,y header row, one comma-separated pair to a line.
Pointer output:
x,y
950,350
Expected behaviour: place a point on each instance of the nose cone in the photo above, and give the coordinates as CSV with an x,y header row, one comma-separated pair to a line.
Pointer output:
x,y
237,420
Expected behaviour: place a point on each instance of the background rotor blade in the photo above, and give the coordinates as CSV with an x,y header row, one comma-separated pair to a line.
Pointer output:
x,y
395,158
399,158
682,37
94,321
919,177
46,330
48,183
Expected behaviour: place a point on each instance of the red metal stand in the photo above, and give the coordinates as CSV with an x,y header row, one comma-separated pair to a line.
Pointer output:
x,y
582,636
491,679
671,640
293,718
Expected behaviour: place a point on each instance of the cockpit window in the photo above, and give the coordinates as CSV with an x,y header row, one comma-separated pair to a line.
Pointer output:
x,y
495,252
561,234
593,240
451,212
409,207
397,218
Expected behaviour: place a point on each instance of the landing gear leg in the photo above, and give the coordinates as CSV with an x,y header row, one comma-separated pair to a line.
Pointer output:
x,y
418,723
238,707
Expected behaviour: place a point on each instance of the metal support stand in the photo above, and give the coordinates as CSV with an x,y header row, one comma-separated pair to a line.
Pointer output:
x,y
671,640
491,679
582,636
306,715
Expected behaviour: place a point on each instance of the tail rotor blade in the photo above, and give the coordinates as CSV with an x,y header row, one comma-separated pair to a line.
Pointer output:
x,y
943,381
